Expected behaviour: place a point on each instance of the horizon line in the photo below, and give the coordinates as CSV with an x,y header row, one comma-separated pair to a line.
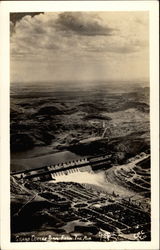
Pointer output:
x,y
89,81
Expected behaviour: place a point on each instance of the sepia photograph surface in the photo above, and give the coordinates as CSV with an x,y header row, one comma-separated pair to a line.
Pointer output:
x,y
80,134
80,126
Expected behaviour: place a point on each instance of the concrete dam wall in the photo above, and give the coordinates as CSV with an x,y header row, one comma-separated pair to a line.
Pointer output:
x,y
65,168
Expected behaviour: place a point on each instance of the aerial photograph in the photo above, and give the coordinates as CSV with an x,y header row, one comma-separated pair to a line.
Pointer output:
x,y
80,126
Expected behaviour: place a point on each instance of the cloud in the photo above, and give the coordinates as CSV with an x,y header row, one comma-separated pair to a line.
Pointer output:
x,y
14,17
83,24
76,32
77,40
11,27
62,32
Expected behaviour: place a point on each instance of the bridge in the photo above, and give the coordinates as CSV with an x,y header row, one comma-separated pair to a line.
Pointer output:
x,y
52,171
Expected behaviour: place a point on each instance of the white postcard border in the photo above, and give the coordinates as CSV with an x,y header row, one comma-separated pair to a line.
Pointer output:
x,y
27,6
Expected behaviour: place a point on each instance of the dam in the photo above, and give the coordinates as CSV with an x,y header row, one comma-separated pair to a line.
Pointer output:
x,y
50,172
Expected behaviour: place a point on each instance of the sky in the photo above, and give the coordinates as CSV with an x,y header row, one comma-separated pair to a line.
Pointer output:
x,y
79,46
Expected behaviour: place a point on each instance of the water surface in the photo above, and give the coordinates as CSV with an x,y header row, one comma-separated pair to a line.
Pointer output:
x,y
19,163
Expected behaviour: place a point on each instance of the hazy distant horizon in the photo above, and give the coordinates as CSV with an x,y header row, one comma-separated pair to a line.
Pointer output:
x,y
95,82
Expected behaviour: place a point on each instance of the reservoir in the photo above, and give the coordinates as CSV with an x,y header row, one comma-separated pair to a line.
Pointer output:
x,y
22,161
